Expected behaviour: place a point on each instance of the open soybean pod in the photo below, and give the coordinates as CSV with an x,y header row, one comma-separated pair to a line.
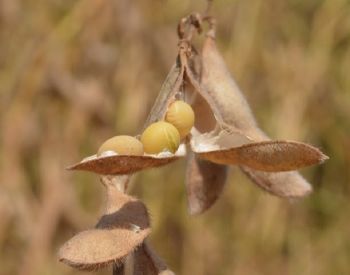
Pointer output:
x,y
170,87
118,164
122,228
205,180
235,113
221,87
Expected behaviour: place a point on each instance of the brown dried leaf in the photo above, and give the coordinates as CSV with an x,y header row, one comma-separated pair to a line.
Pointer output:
x,y
282,184
269,156
120,164
122,229
204,183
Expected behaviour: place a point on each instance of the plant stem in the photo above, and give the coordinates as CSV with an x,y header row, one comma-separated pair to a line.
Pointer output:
x,y
209,5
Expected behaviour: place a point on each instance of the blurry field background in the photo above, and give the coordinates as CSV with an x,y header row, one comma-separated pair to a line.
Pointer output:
x,y
74,73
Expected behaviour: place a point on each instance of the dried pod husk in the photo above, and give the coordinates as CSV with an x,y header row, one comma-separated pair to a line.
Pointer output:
x,y
127,164
205,181
96,248
234,112
120,165
170,87
268,156
144,261
122,228
223,90
205,120
282,184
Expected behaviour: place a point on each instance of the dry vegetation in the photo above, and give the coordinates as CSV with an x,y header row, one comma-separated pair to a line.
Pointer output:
x,y
74,73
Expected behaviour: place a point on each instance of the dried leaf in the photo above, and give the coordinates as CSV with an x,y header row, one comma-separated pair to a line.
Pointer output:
x,y
122,229
204,183
269,156
121,164
282,184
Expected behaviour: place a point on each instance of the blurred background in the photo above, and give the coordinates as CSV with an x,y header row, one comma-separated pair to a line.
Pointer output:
x,y
74,73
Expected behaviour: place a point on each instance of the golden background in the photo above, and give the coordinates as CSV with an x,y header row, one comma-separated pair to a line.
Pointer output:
x,y
74,73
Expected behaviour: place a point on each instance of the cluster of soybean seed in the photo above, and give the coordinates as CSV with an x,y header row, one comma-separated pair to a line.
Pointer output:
x,y
161,136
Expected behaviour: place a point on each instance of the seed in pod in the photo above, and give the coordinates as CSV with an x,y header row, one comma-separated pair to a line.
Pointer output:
x,y
160,136
123,145
181,115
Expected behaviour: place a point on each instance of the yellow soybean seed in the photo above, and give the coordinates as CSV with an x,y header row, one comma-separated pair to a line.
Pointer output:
x,y
123,145
181,115
160,136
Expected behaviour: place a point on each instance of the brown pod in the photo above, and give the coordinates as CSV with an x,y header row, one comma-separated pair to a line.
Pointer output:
x,y
205,181
143,261
123,227
146,262
268,156
221,87
235,112
114,164
121,165
167,92
282,184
